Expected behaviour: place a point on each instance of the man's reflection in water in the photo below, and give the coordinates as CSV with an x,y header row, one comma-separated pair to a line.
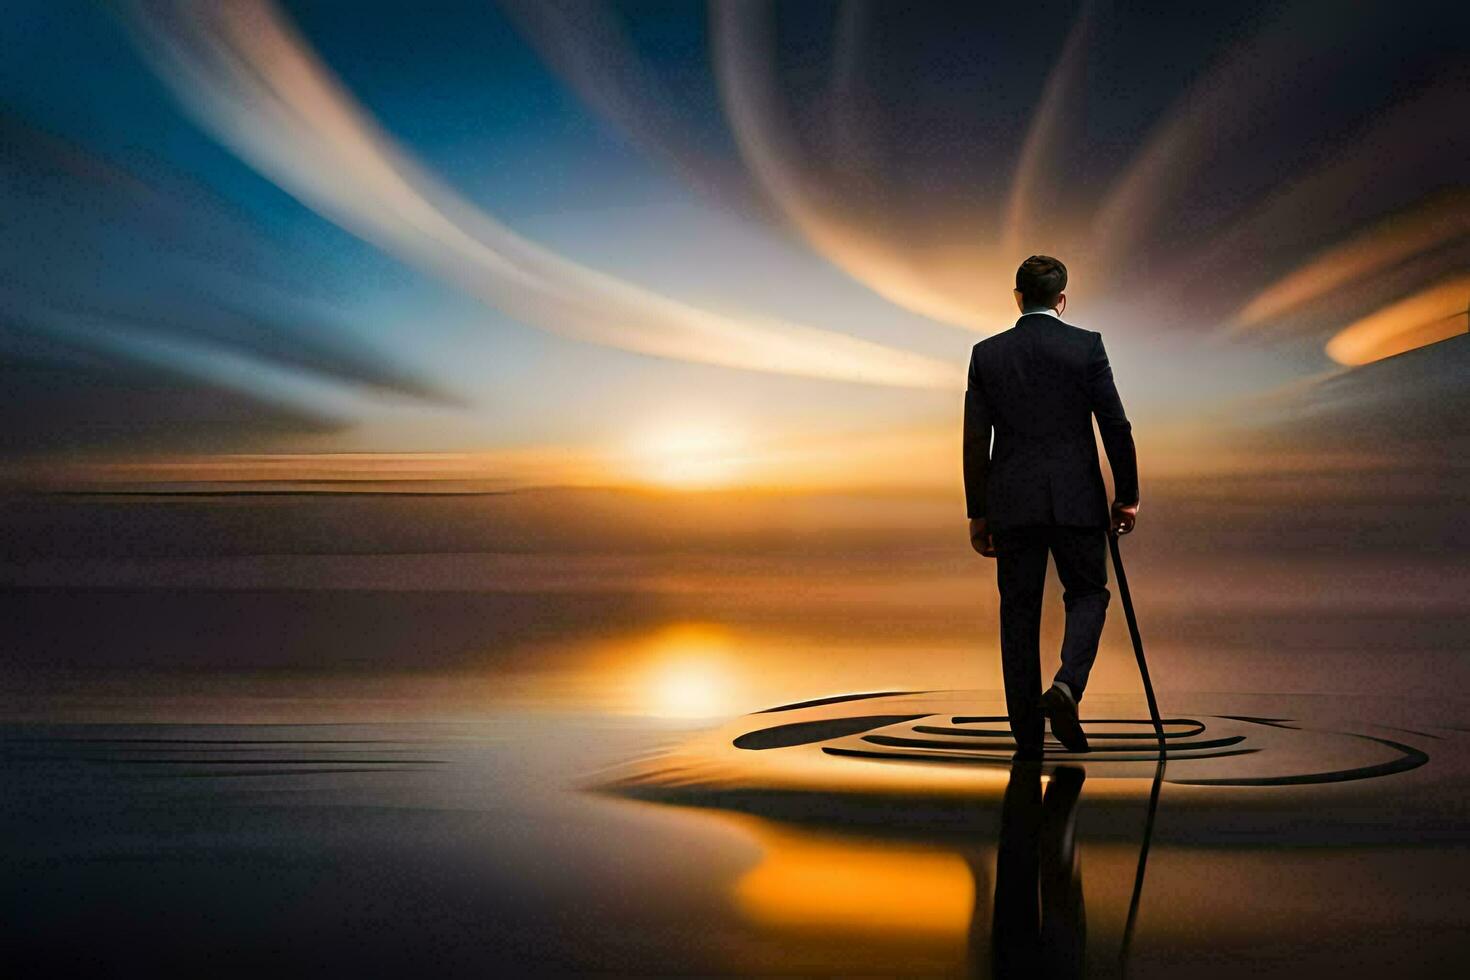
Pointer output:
x,y
1037,854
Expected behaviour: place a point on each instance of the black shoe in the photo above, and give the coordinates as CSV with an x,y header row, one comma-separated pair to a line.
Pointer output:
x,y
1062,710
1027,753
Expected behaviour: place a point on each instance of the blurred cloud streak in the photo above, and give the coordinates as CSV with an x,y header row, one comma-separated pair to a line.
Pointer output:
x,y
251,80
585,43
1395,239
1435,314
1030,225
150,276
859,241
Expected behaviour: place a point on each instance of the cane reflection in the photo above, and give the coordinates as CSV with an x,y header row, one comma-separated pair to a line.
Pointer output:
x,y
1037,858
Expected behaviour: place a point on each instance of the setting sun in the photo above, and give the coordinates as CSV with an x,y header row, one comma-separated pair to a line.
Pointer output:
x,y
687,455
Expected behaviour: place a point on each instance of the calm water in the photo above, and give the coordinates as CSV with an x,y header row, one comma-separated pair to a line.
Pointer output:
x,y
577,842
290,737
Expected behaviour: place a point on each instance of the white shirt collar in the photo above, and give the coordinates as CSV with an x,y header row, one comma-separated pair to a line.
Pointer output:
x,y
1048,311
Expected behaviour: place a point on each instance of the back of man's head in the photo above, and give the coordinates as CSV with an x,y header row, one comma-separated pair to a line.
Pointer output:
x,y
1040,280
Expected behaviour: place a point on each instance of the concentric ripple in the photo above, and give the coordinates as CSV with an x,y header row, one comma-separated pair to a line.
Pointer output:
x,y
1118,740
931,742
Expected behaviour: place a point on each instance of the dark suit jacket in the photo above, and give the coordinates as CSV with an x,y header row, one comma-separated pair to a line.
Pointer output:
x,y
1038,385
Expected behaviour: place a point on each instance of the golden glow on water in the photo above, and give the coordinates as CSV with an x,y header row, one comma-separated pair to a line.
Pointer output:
x,y
686,671
810,882
706,670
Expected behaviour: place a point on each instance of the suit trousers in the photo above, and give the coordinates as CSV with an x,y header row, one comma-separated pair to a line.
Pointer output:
x,y
1081,558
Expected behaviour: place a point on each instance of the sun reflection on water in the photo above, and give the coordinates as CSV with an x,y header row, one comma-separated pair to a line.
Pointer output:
x,y
688,671
819,882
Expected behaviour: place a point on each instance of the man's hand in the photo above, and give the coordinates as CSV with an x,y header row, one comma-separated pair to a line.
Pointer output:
x,y
981,539
1124,517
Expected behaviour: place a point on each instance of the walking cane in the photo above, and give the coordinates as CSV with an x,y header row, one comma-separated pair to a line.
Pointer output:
x,y
1148,687
1153,711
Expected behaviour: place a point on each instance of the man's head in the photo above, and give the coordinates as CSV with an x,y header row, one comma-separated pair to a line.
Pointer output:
x,y
1040,284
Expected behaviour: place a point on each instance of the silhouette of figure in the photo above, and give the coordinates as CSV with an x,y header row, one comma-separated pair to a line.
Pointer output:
x,y
1039,490
1037,854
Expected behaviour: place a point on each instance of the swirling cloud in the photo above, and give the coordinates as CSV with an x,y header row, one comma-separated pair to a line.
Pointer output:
x,y
252,81
1030,224
585,43
222,286
943,283
1371,253
1172,215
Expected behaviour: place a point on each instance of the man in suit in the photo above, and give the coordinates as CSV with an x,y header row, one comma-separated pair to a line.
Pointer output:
x,y
1039,490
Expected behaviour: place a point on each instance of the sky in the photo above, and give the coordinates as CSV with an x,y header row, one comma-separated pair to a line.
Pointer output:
x,y
304,288
709,246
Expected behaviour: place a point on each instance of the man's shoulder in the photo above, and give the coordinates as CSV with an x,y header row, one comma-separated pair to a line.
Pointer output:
x,y
1052,327
1076,331
995,340
1078,336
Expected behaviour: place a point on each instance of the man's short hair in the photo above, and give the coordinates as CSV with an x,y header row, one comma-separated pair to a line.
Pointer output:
x,y
1041,280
